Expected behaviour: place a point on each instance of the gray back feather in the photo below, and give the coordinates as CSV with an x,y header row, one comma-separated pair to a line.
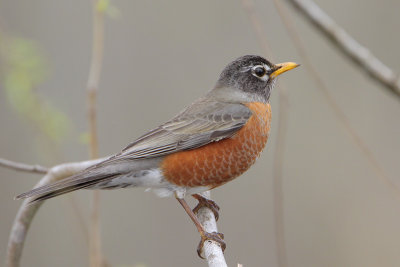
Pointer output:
x,y
205,121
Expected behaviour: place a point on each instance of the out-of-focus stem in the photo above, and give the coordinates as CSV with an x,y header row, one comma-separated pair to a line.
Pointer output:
x,y
289,24
352,49
96,258
280,139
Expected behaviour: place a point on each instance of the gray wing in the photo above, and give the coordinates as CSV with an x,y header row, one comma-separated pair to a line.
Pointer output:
x,y
203,122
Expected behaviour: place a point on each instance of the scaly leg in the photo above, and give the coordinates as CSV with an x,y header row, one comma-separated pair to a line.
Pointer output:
x,y
217,237
205,202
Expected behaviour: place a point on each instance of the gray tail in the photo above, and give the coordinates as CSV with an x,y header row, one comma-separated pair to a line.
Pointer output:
x,y
72,183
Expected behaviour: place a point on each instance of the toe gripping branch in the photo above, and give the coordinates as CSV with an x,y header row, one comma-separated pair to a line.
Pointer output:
x,y
205,202
214,236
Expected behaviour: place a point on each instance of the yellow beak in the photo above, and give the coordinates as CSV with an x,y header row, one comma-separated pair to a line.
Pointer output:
x,y
283,67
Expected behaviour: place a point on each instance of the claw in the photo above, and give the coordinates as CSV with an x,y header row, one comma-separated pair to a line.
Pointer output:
x,y
205,202
214,236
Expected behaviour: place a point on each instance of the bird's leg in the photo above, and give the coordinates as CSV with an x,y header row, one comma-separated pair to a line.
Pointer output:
x,y
206,202
214,236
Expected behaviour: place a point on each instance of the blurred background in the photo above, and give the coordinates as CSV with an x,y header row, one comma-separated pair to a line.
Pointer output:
x,y
158,57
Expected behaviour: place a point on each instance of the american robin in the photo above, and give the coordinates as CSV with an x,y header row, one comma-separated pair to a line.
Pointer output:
x,y
209,143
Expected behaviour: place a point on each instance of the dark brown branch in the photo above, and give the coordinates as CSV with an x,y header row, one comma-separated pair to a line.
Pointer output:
x,y
359,54
22,166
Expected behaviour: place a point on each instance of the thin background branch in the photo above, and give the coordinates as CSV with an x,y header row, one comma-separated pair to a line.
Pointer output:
x,y
22,166
96,258
352,49
342,40
374,163
280,139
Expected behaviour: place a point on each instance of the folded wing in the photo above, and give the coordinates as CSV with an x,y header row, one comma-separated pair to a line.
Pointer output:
x,y
203,122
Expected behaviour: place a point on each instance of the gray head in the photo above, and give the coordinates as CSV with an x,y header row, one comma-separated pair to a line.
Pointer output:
x,y
249,78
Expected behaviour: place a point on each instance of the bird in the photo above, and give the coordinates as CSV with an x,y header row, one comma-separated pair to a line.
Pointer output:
x,y
209,143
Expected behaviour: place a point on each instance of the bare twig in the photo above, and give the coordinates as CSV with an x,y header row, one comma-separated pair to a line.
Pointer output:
x,y
96,258
22,166
280,139
94,75
379,170
349,46
27,211
212,251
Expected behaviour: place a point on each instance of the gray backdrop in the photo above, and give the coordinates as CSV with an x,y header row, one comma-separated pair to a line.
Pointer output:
x,y
160,56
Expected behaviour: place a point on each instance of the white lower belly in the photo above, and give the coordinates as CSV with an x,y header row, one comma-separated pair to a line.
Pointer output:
x,y
153,180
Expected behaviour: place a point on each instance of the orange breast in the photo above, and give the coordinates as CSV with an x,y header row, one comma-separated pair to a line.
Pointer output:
x,y
219,162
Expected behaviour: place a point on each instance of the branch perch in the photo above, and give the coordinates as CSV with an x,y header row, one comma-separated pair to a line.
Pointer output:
x,y
349,46
211,249
27,212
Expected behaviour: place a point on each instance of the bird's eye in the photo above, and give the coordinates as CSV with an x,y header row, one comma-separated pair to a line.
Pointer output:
x,y
259,71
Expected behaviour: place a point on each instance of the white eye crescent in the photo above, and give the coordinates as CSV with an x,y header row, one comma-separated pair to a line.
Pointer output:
x,y
260,71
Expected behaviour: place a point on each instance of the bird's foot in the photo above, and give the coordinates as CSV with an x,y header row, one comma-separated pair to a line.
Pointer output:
x,y
205,202
214,236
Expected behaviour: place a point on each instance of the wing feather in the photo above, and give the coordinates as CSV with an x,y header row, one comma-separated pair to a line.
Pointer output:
x,y
203,122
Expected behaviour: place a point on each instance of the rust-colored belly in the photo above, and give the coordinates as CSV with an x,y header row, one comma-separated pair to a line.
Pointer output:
x,y
217,163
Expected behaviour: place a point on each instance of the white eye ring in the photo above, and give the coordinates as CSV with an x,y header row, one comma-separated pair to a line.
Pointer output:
x,y
260,72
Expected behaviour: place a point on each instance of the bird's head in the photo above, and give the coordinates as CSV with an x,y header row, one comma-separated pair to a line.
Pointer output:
x,y
249,78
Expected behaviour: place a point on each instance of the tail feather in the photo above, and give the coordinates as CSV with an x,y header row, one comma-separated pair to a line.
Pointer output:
x,y
66,185
65,190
